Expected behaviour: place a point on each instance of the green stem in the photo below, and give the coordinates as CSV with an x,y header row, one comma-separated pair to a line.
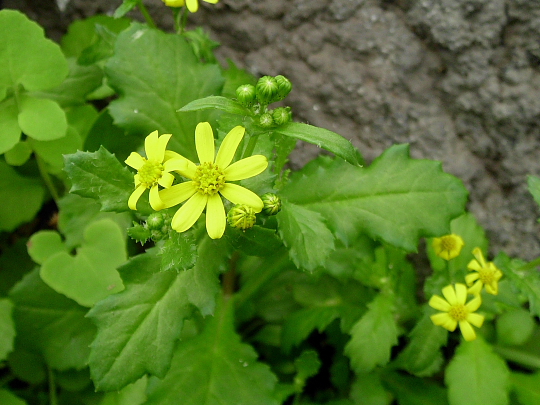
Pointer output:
x,y
53,400
146,14
518,356
229,278
47,178
251,146
530,265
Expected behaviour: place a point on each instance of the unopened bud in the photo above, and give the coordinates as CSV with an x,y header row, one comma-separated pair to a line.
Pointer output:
x,y
266,120
245,94
155,221
282,115
272,203
284,86
241,216
267,90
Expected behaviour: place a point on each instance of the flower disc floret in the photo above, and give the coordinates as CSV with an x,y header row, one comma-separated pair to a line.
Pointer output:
x,y
456,311
485,274
210,180
448,246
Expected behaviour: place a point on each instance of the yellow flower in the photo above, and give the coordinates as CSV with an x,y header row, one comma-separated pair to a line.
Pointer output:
x,y
448,246
153,170
486,273
192,5
455,310
209,180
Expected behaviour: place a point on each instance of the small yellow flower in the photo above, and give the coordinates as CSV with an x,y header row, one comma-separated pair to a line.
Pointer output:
x,y
209,180
448,246
192,5
456,311
153,170
486,273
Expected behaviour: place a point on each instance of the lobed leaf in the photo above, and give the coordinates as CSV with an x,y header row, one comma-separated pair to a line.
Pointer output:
x,y
179,252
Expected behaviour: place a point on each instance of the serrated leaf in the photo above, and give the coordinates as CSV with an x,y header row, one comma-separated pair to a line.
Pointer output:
x,y
477,376
305,234
323,138
179,252
139,233
99,175
21,198
132,394
373,336
28,57
368,389
525,279
42,119
415,391
91,275
215,368
218,103
146,104
138,328
8,398
422,356
256,241
50,324
7,328
527,387
396,199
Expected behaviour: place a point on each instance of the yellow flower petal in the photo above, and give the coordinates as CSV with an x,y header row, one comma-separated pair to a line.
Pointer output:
x,y
188,214
476,288
177,194
461,293
137,179
215,217
467,331
134,197
439,303
241,195
477,253
492,288
474,265
211,1
444,320
151,146
471,278
474,304
450,294
187,171
135,160
177,165
161,146
192,5
246,168
204,141
166,180
476,319
155,201
228,147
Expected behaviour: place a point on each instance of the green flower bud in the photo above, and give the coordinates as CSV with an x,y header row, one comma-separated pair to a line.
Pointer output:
x,y
267,90
282,115
155,221
245,94
241,216
284,86
266,120
272,203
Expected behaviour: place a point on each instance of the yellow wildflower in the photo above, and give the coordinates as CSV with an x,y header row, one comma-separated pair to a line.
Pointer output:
x,y
486,273
448,246
209,180
456,311
153,170
192,5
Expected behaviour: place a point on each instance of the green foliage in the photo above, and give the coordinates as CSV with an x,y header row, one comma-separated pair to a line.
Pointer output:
x,y
7,328
527,387
477,376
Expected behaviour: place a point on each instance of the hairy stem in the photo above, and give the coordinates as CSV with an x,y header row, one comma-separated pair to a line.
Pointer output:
x,y
53,400
146,14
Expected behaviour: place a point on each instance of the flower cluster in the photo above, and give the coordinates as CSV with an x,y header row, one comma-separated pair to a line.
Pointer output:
x,y
455,310
206,182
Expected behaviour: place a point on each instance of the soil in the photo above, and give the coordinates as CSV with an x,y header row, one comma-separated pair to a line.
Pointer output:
x,y
458,80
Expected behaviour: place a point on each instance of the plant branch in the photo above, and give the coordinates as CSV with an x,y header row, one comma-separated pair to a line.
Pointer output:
x,y
47,178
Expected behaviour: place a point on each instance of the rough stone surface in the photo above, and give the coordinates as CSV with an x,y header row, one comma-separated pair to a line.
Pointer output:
x,y
457,79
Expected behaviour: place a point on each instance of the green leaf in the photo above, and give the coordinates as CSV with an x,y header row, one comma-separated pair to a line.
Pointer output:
x,y
124,8
533,183
144,55
373,336
219,103
307,365
523,278
305,234
415,391
132,394
179,252
15,263
323,138
19,154
27,366
138,327
396,199
7,328
527,387
422,356
44,244
28,57
235,77
42,119
477,376
515,326
91,275
368,389
52,152
7,398
99,175
10,132
21,198
139,233
256,241
51,324
215,368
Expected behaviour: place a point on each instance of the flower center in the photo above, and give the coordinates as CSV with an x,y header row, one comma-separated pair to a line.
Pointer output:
x,y
487,276
208,179
458,312
448,243
150,173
